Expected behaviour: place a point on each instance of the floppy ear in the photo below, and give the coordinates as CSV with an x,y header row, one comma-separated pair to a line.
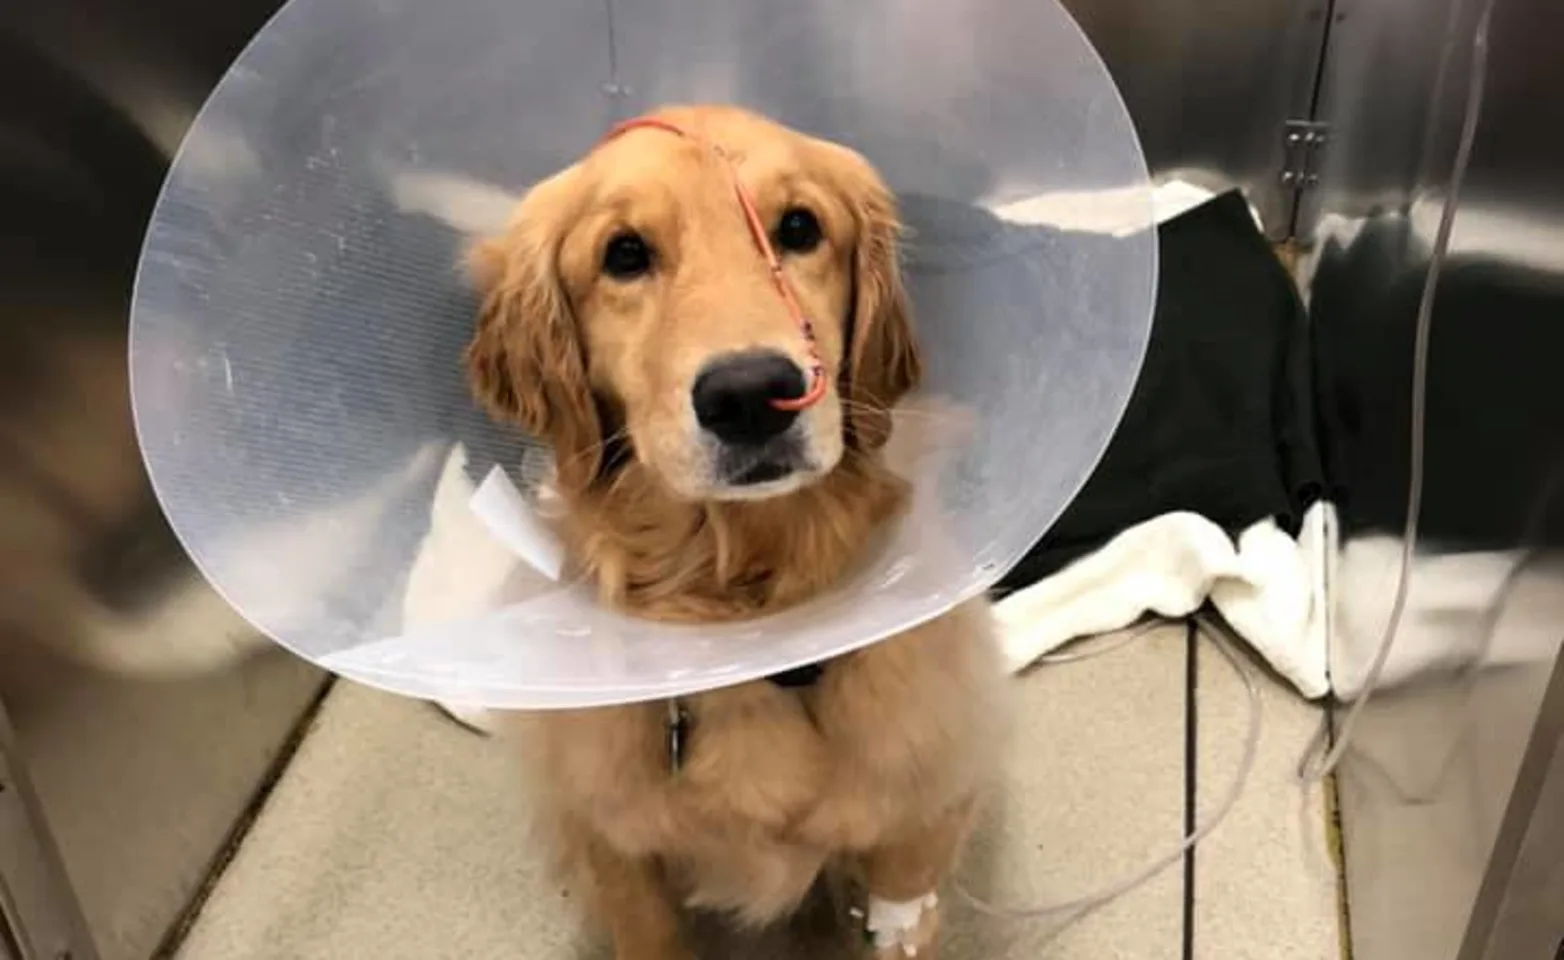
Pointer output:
x,y
882,357
525,362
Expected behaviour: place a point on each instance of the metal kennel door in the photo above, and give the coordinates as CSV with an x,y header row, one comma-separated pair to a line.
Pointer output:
x,y
39,919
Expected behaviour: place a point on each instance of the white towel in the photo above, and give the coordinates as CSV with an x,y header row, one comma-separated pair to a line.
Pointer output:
x,y
1268,587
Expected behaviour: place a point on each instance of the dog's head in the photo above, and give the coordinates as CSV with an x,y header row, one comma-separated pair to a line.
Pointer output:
x,y
628,305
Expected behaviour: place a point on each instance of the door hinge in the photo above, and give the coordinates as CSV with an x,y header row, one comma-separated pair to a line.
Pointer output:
x,y
1303,145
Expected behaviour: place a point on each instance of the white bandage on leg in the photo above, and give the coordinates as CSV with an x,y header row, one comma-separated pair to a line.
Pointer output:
x,y
894,924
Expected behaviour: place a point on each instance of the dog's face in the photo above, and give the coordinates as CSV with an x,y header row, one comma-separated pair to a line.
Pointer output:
x,y
629,295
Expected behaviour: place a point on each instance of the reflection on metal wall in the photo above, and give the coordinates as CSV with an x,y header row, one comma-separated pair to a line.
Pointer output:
x,y
1446,835
142,714
1211,84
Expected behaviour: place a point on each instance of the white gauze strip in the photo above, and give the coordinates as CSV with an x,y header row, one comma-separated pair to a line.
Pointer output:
x,y
896,924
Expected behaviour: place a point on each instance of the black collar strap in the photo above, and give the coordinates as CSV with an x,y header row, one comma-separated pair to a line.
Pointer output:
x,y
677,725
804,676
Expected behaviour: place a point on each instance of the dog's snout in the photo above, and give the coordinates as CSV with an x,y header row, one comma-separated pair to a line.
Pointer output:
x,y
733,396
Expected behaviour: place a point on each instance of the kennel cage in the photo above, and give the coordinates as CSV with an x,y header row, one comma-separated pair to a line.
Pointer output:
x,y
1339,120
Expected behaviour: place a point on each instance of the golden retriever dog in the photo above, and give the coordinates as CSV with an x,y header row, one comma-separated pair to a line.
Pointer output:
x,y
705,319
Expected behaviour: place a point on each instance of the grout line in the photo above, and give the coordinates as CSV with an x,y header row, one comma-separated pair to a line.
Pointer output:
x,y
1335,835
174,938
1337,842
1191,776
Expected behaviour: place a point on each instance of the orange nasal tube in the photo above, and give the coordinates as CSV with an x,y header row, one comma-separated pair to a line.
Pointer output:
x,y
762,238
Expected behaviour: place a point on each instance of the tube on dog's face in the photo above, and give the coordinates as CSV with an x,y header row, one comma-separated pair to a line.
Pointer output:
x,y
682,322
642,258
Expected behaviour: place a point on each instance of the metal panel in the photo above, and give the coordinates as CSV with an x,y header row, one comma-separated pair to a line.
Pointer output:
x,y
1440,774
1520,907
1211,85
39,918
145,711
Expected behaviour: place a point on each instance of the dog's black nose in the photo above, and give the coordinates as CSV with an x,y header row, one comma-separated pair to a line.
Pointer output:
x,y
733,395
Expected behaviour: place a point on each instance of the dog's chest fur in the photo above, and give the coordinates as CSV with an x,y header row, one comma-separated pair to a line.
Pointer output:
x,y
776,783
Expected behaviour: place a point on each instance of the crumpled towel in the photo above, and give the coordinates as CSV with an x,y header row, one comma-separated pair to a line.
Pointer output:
x,y
1269,588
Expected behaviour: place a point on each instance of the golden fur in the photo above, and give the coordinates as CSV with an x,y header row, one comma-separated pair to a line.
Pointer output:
x,y
875,768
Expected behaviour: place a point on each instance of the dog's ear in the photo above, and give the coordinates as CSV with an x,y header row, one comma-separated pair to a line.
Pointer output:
x,y
525,362
882,358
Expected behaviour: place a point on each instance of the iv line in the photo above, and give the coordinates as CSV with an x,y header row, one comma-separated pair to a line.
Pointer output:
x,y
1310,773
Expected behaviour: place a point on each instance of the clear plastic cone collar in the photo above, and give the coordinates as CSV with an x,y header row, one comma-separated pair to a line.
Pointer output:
x,y
300,317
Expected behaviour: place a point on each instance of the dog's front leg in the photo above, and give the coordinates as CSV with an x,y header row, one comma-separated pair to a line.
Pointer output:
x,y
902,876
631,898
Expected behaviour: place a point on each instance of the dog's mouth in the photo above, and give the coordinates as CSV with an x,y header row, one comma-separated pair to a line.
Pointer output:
x,y
762,470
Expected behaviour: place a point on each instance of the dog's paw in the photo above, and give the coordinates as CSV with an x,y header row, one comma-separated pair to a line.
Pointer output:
x,y
898,931
476,719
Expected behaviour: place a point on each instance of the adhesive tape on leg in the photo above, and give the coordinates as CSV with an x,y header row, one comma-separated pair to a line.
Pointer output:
x,y
895,924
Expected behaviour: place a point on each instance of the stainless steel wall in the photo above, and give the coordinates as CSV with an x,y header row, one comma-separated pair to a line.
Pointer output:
x,y
1210,85
142,711
1450,805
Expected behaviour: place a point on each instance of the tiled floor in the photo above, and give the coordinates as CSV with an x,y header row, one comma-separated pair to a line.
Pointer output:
x,y
117,763
1265,883
395,834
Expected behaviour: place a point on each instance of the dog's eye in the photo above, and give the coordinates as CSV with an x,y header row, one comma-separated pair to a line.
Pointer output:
x,y
798,231
627,256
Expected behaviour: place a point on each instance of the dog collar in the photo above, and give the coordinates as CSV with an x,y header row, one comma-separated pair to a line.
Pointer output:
x,y
804,676
676,724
